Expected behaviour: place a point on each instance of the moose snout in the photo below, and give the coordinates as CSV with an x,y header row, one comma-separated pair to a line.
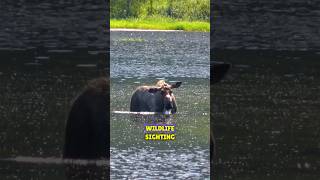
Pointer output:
x,y
168,102
168,96
168,106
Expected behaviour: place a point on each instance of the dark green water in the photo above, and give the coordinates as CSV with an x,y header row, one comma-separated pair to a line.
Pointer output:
x,y
266,115
141,58
35,101
187,156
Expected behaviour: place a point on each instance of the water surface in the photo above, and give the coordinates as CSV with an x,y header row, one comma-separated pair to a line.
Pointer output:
x,y
266,117
142,58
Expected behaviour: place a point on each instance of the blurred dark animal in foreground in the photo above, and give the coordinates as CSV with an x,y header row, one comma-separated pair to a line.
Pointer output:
x,y
218,71
87,129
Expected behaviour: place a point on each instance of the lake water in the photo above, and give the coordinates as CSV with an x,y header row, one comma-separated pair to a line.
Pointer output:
x,y
142,58
48,50
266,115
266,24
266,112
35,101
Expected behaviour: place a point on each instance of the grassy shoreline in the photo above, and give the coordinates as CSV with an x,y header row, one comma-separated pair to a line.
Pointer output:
x,y
161,24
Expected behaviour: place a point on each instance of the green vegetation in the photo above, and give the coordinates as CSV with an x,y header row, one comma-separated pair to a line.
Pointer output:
x,y
190,15
131,40
161,24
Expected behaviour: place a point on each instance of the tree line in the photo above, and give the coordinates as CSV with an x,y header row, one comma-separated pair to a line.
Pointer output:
x,y
176,9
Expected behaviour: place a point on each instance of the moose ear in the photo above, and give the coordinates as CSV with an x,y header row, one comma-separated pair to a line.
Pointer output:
x,y
154,89
176,85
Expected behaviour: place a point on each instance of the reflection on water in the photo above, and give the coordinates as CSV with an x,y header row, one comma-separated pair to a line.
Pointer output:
x,y
266,116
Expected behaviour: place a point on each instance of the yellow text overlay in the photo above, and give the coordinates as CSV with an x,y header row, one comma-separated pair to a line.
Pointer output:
x,y
164,137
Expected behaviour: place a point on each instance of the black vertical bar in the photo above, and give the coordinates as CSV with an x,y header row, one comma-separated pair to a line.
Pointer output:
x,y
108,76
212,146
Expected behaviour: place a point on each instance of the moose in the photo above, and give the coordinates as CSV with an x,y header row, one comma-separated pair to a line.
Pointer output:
x,y
218,71
158,98
87,127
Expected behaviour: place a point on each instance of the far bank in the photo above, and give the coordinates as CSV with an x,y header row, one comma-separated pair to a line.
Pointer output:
x,y
160,24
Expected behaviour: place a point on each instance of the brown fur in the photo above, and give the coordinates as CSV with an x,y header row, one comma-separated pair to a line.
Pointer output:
x,y
99,85
160,84
139,103
87,128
